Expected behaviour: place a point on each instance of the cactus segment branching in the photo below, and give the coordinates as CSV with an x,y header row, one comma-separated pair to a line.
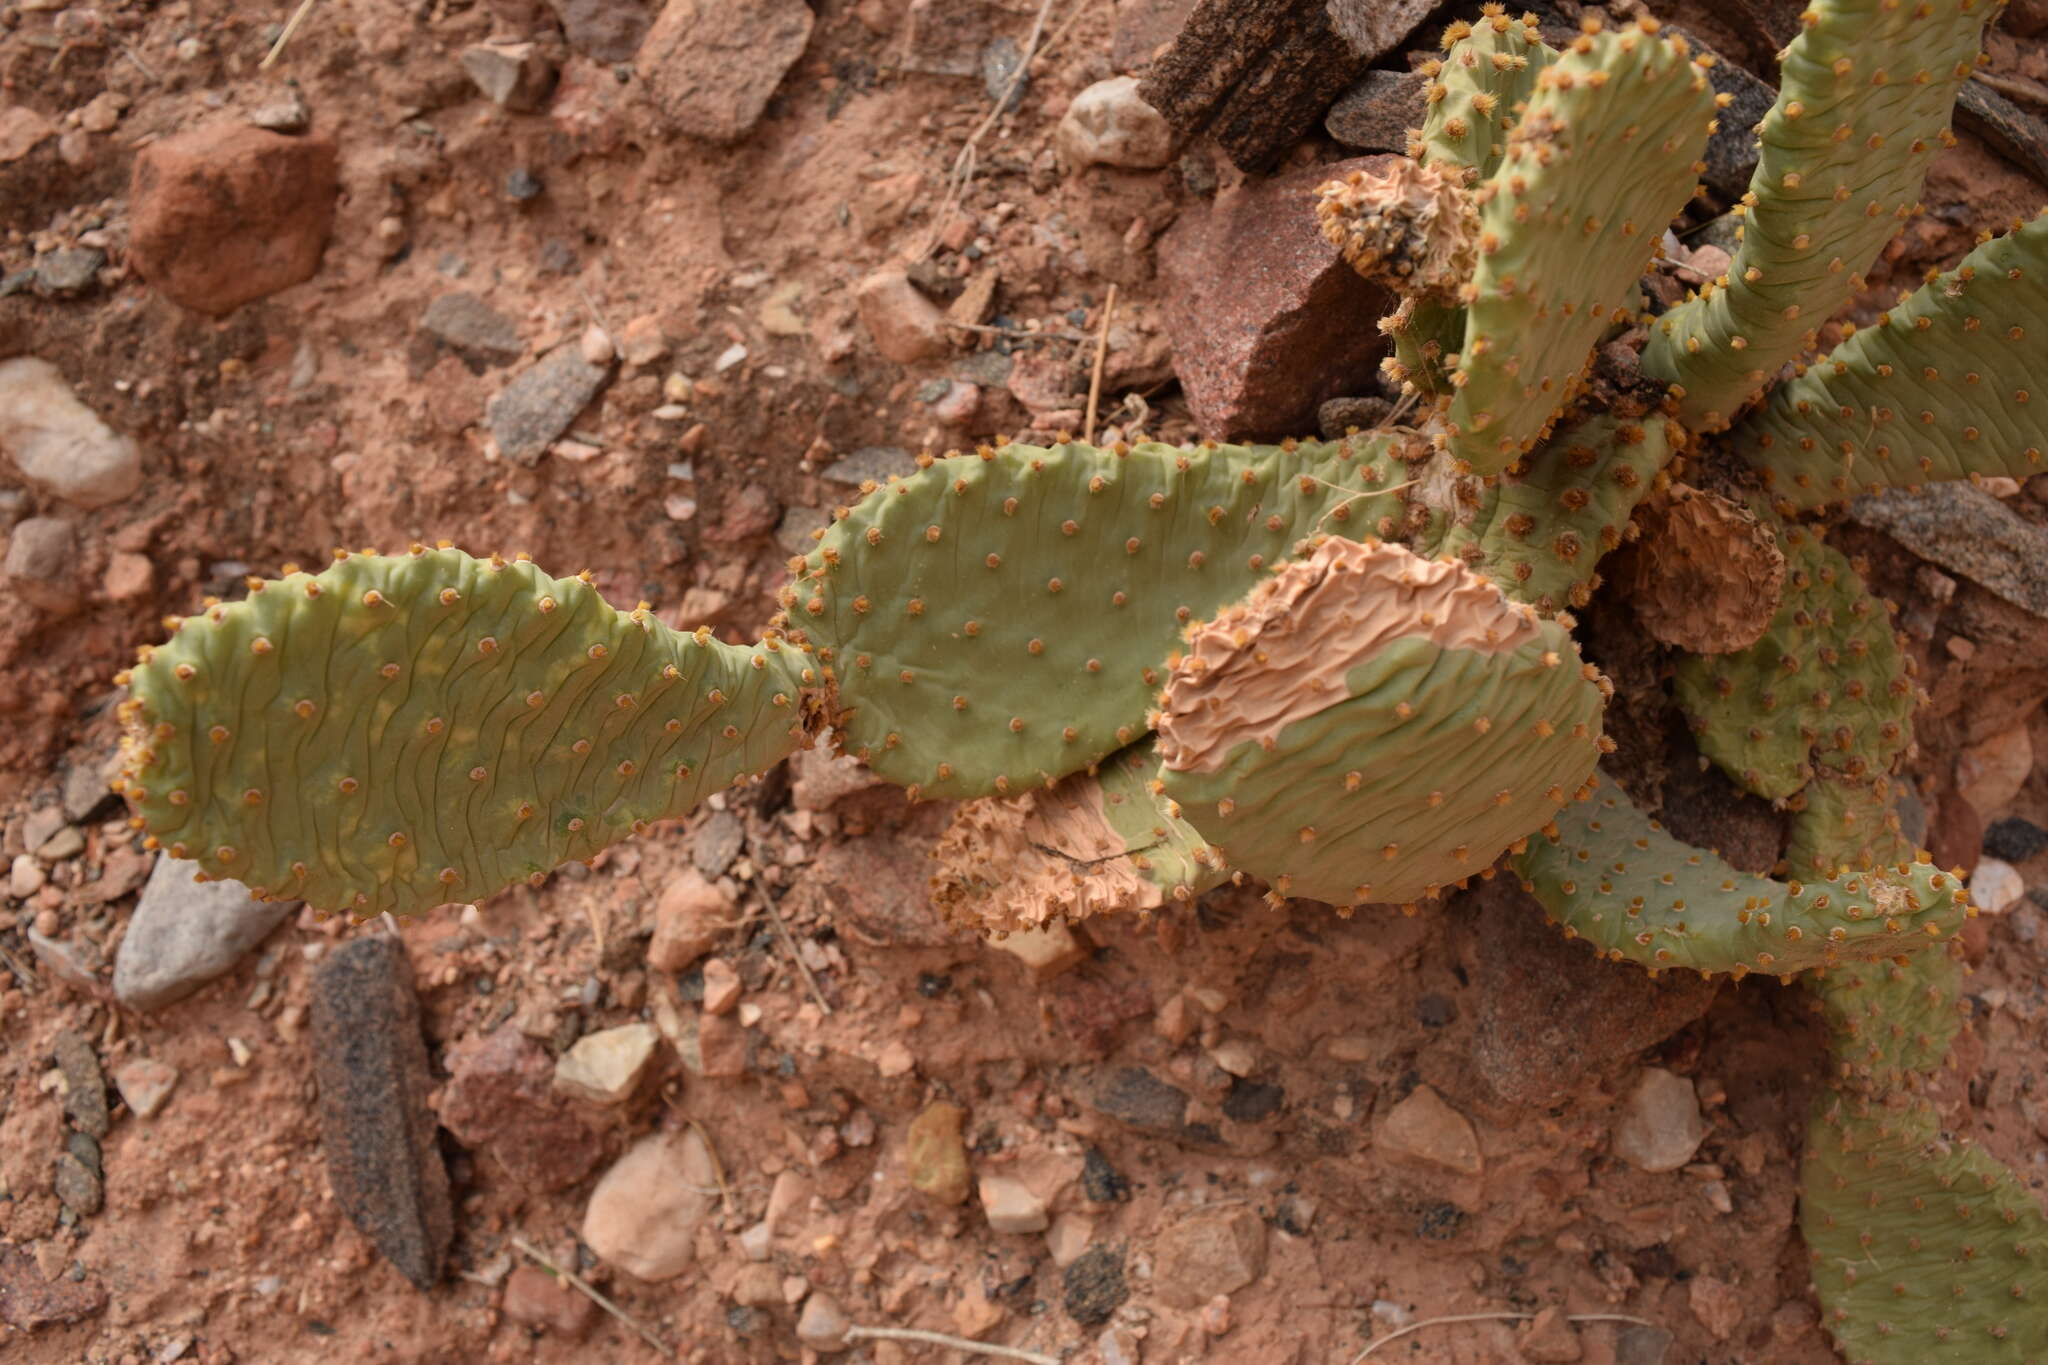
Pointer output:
x,y
1541,529
1567,223
1925,1248
401,731
1948,385
1370,726
1891,1021
1610,874
1844,822
1863,105
1826,687
1095,843
998,620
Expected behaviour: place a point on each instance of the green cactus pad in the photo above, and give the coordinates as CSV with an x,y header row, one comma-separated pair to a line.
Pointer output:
x,y
1947,385
1925,1248
998,620
1611,875
1863,106
1372,726
1096,843
1845,822
1826,687
1424,332
1475,93
1891,1021
1604,156
1540,530
401,731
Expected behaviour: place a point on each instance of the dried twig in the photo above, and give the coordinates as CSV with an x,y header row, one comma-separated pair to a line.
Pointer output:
x,y
1491,1317
1027,333
724,1190
291,26
577,1282
970,1346
782,930
1101,354
962,174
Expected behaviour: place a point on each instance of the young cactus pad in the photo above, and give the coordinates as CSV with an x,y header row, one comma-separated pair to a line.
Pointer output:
x,y
401,731
1610,874
1371,726
1947,385
1605,155
998,620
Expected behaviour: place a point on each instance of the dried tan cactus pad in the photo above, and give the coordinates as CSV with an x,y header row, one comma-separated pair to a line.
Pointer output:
x,y
1706,574
1369,725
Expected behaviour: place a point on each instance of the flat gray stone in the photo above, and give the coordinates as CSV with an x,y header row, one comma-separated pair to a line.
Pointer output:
x,y
1968,532
376,1129
467,323
85,1088
540,403
1376,114
184,934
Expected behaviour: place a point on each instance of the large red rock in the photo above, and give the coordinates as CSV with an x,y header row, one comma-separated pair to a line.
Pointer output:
x,y
1266,320
230,213
711,66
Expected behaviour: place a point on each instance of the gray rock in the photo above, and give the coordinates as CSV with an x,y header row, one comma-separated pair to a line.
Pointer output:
x,y
184,934
78,1185
85,790
288,113
42,563
69,269
540,403
514,76
1640,1345
376,1129
1732,150
1968,532
85,1089
75,964
869,462
718,843
1660,1127
1376,114
1138,1099
1000,58
58,444
604,30
467,323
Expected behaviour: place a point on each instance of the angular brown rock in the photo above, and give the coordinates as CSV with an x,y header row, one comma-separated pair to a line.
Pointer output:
x,y
1266,319
710,66
500,1100
230,213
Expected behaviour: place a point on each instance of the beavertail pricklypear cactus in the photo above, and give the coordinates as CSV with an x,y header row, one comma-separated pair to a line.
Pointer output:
x,y
1345,669
399,731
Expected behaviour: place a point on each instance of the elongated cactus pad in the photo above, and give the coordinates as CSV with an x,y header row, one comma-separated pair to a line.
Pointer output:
x,y
1476,92
1947,385
1863,105
401,731
1826,687
1372,726
1891,1021
1095,843
1610,874
1845,822
999,620
1925,1248
1541,529
1604,156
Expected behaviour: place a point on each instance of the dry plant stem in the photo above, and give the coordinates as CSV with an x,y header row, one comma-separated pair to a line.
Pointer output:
x,y
1101,354
291,26
1492,1317
577,1282
717,1166
980,1348
782,931
963,164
